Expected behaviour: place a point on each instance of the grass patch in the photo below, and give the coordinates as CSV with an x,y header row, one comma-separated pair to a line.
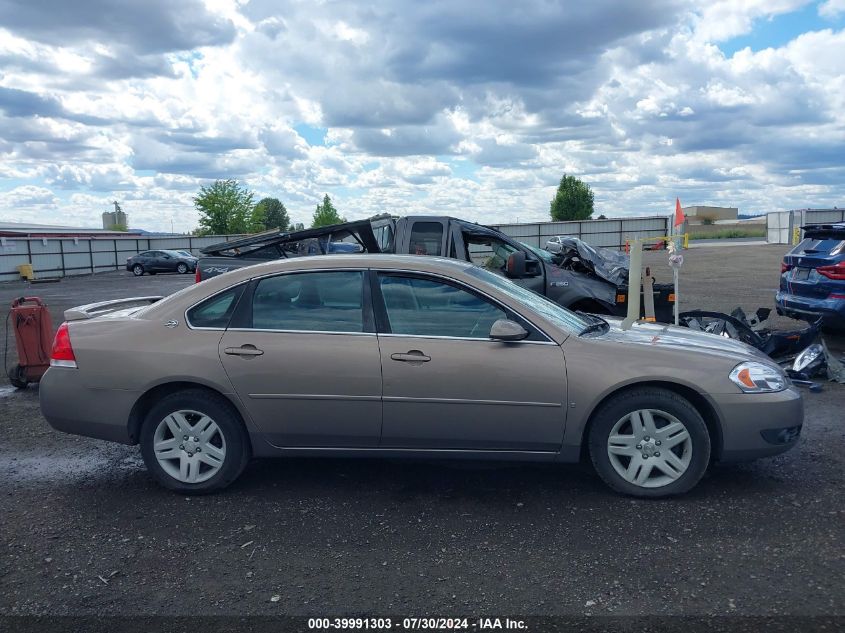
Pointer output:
x,y
729,234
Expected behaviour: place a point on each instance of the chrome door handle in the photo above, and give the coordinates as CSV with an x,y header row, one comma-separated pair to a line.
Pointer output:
x,y
244,350
414,356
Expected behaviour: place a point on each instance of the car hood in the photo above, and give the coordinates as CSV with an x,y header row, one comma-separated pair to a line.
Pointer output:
x,y
682,339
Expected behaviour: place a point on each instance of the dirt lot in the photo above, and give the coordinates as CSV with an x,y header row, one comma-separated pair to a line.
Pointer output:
x,y
84,530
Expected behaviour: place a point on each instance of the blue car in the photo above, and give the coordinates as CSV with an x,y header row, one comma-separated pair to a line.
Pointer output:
x,y
812,277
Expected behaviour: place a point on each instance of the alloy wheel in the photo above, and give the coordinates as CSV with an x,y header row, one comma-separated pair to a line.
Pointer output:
x,y
189,446
649,448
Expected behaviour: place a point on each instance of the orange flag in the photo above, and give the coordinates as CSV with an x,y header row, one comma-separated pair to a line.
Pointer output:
x,y
679,215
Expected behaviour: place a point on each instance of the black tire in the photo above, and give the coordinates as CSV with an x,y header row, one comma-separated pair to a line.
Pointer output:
x,y
228,420
626,402
138,270
182,269
17,376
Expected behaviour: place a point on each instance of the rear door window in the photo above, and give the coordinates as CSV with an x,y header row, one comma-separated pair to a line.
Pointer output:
x,y
426,238
312,302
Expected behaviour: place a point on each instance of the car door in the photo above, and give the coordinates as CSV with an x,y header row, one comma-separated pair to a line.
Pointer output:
x,y
303,356
167,262
446,385
152,261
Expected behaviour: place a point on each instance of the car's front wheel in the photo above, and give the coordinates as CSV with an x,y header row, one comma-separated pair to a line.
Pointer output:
x,y
649,442
194,442
182,269
138,270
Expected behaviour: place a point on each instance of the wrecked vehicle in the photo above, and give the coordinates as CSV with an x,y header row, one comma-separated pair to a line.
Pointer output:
x,y
802,352
575,254
582,283
754,331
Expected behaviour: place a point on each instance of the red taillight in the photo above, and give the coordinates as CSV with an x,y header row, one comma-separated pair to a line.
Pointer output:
x,y
784,267
197,276
837,271
62,354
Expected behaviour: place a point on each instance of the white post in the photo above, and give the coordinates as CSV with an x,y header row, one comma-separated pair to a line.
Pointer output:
x,y
677,306
635,279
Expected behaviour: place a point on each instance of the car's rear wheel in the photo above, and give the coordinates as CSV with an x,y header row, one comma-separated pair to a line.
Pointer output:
x,y
194,442
138,270
182,269
649,442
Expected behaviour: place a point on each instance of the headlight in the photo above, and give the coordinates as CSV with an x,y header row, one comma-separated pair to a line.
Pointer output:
x,y
758,378
806,358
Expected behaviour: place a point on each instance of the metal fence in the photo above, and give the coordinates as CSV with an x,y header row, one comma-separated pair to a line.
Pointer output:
x,y
783,227
61,257
607,233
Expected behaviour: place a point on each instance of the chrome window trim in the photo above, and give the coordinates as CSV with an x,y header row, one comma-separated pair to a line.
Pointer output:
x,y
549,340
335,332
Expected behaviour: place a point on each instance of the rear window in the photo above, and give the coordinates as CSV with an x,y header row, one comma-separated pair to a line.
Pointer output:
x,y
820,245
215,312
426,238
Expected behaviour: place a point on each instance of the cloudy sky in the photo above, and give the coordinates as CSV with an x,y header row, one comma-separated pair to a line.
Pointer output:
x,y
470,108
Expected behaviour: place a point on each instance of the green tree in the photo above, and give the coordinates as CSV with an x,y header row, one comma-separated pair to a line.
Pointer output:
x,y
573,200
225,208
326,214
271,214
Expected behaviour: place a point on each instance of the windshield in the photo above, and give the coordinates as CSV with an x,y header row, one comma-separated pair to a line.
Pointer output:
x,y
565,319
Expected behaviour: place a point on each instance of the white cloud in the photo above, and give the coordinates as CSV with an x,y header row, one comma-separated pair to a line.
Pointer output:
x,y
832,8
427,107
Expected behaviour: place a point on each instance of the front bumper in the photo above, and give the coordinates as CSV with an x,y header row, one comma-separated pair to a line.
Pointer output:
x,y
71,406
760,424
810,309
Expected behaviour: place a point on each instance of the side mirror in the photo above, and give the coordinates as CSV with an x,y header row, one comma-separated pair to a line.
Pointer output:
x,y
505,330
515,268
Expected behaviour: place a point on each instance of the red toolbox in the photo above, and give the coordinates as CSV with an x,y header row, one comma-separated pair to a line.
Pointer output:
x,y
33,328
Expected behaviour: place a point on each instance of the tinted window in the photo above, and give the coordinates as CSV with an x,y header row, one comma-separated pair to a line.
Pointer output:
x,y
216,311
426,307
822,245
426,238
322,302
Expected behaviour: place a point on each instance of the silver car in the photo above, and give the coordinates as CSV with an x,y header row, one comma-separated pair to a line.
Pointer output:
x,y
381,355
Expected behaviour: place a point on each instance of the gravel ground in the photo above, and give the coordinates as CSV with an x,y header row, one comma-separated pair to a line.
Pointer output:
x,y
84,530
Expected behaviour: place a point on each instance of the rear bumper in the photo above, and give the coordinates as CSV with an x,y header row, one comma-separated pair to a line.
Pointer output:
x,y
70,406
760,425
810,309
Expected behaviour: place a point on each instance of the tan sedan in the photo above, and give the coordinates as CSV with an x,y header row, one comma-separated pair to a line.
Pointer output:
x,y
380,355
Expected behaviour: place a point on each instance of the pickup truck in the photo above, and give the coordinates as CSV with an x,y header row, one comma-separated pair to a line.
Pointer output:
x,y
574,282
